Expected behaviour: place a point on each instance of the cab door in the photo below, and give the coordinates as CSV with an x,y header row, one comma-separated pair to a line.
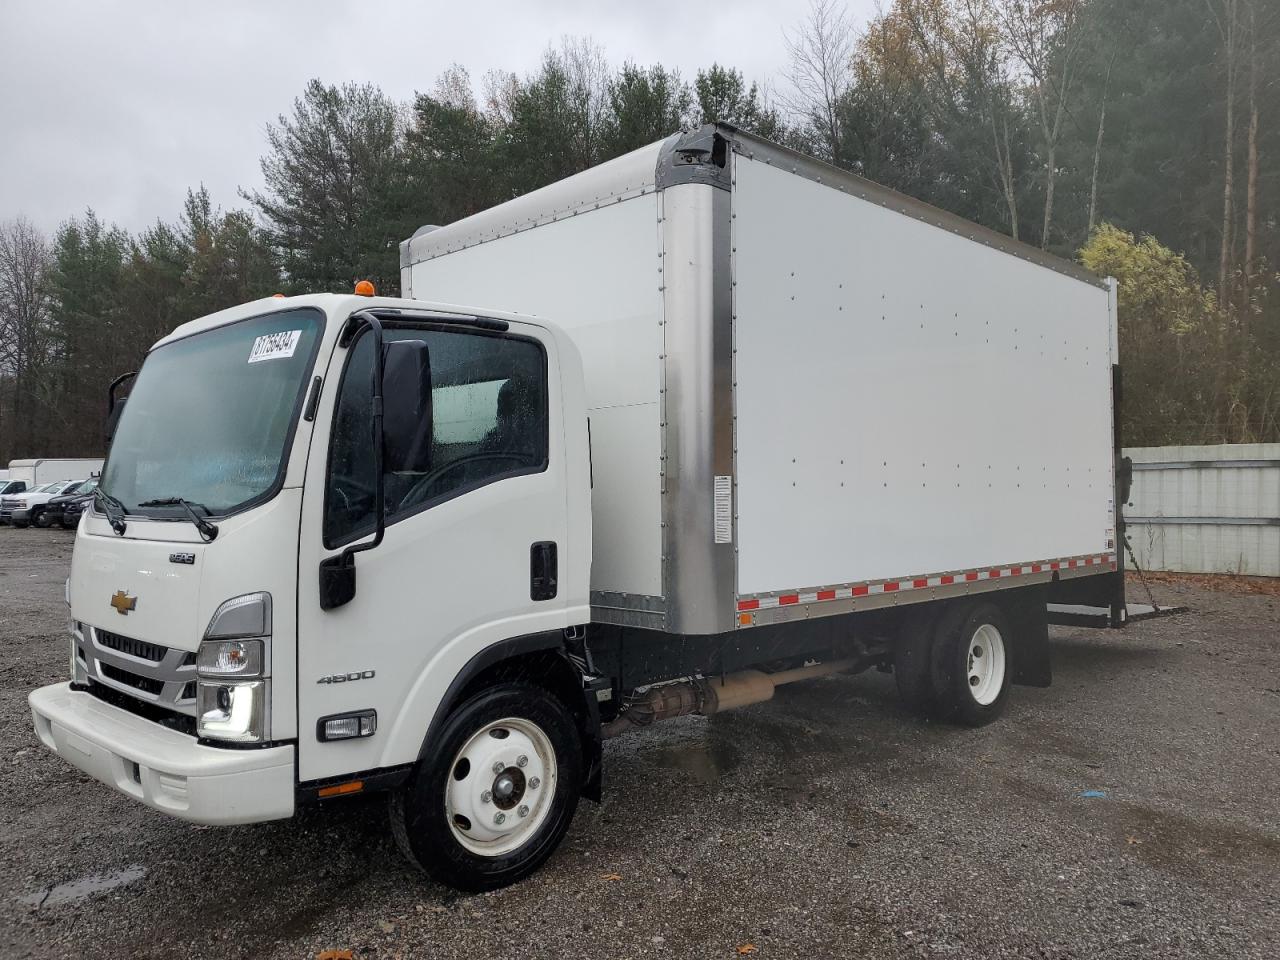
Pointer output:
x,y
465,539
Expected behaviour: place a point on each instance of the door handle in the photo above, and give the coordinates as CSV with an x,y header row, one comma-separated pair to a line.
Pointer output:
x,y
542,570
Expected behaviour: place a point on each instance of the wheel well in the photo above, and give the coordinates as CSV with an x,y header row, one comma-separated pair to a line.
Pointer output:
x,y
542,664
544,668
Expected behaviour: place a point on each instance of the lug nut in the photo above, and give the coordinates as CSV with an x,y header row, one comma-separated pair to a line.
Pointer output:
x,y
498,767
522,761
523,811
499,818
533,783
486,797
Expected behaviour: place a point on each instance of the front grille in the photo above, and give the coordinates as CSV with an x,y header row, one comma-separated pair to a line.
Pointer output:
x,y
134,648
8,504
145,671
145,684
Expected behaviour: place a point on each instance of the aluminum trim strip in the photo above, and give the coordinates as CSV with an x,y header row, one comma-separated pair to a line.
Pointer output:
x,y
869,594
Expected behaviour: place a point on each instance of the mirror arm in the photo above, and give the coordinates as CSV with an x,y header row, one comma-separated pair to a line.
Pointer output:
x,y
115,385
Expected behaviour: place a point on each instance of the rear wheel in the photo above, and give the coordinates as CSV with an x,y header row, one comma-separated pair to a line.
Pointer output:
x,y
972,663
496,792
957,664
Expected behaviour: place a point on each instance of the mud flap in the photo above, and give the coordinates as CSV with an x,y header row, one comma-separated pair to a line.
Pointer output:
x,y
1028,615
593,750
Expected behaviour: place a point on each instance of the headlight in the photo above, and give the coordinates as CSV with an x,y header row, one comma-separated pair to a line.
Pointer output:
x,y
233,686
233,711
229,658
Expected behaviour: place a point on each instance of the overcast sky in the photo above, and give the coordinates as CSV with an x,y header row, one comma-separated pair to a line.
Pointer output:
x,y
121,106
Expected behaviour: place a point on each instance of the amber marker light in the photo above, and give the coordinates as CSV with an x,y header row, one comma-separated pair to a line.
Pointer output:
x,y
342,789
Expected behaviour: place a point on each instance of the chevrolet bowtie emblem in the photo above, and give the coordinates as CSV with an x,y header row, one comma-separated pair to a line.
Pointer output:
x,y
123,602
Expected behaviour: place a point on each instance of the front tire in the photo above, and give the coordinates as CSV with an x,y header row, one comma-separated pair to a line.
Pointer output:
x,y
39,519
496,792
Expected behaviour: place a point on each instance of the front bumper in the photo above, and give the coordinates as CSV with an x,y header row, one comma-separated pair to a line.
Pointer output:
x,y
167,770
20,516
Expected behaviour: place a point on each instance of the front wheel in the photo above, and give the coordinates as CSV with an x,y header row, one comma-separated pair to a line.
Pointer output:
x,y
39,519
496,792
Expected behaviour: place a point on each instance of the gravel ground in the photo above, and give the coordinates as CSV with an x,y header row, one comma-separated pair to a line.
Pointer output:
x,y
828,823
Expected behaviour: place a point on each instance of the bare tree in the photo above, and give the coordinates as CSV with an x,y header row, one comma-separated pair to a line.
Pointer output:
x,y
25,261
1226,17
1097,148
1251,202
956,47
588,74
1045,37
820,70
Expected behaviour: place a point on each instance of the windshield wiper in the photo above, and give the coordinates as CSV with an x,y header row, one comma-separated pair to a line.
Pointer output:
x,y
113,509
208,531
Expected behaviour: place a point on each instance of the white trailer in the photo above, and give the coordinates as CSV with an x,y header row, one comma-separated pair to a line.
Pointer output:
x,y
46,470
650,441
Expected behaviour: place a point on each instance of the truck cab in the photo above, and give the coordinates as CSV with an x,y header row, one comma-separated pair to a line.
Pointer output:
x,y
261,570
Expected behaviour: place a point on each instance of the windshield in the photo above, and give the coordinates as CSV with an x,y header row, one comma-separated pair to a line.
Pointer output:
x,y
210,416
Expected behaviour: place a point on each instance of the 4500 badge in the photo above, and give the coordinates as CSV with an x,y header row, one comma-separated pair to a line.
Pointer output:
x,y
347,677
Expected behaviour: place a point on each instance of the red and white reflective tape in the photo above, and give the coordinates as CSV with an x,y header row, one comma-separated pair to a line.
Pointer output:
x,y
855,590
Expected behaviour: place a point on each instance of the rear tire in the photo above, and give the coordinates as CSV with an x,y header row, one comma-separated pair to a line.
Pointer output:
x,y
496,792
972,663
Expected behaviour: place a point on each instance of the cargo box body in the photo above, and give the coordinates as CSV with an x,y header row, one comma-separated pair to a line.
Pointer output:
x,y
807,394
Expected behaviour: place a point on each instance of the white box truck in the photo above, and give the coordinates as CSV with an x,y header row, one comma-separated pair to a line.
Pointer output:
x,y
650,441
47,469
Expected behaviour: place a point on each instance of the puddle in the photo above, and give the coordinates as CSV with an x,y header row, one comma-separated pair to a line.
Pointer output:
x,y
76,890
702,762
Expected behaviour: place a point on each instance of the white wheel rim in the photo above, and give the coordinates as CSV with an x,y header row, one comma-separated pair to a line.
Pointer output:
x,y
501,785
986,663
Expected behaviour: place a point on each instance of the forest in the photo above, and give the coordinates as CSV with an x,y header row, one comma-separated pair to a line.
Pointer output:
x,y
1138,137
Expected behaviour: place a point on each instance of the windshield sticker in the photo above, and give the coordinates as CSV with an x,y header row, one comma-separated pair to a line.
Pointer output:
x,y
274,346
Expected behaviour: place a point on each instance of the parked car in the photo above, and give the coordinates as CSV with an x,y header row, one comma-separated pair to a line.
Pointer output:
x,y
13,501
8,488
28,508
65,508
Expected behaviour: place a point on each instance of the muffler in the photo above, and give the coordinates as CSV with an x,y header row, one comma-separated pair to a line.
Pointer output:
x,y
711,695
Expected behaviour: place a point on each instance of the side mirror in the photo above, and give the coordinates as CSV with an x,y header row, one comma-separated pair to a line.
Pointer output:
x,y
113,418
406,407
116,406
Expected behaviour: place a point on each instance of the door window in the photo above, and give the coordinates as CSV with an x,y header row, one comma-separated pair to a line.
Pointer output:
x,y
489,421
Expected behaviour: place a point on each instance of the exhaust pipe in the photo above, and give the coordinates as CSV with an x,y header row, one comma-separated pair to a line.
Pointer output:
x,y
709,696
